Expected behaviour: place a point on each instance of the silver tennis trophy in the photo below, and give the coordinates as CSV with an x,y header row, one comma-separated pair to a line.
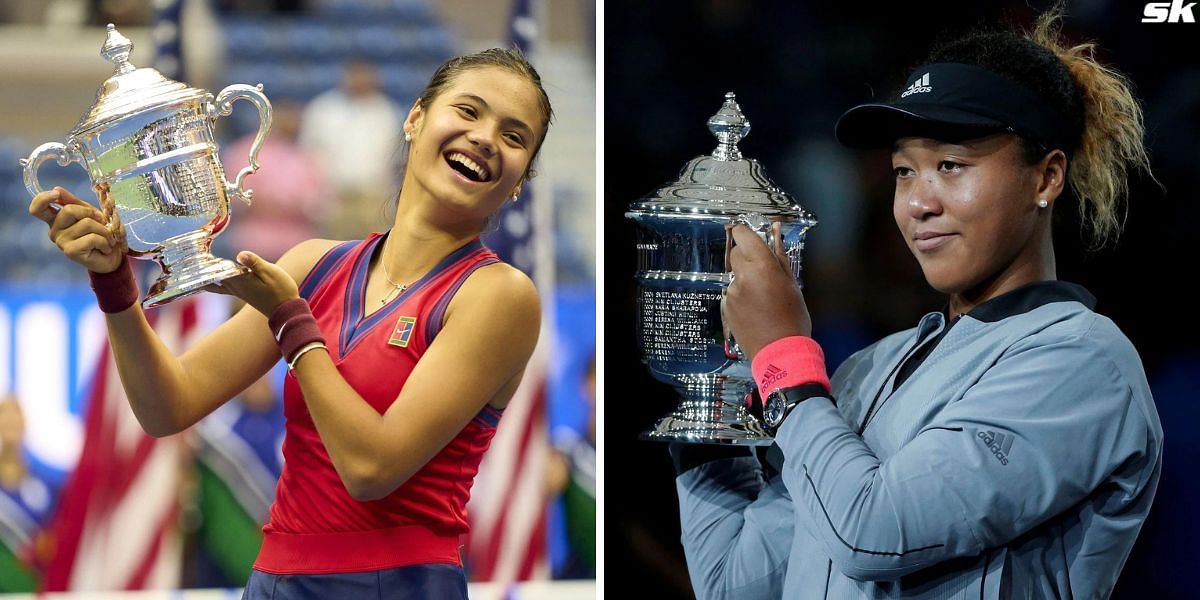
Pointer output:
x,y
147,145
682,248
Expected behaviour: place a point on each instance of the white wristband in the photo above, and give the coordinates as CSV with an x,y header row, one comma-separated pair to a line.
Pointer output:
x,y
302,350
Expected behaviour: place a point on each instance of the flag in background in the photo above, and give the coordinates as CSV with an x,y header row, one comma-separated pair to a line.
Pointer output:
x,y
115,526
515,238
168,50
238,463
236,447
507,510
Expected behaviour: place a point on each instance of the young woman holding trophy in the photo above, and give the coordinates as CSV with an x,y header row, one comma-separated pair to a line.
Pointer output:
x,y
1008,446
402,349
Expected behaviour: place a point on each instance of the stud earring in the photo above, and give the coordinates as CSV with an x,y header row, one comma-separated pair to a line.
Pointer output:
x,y
514,197
408,136
1043,203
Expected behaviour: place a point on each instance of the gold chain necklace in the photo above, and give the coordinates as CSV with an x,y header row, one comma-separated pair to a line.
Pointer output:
x,y
398,288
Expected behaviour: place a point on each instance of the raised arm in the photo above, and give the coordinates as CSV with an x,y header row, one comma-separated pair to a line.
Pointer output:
x,y
478,357
170,394
167,393
738,530
948,493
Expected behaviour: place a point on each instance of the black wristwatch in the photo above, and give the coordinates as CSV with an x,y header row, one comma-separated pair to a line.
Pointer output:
x,y
781,401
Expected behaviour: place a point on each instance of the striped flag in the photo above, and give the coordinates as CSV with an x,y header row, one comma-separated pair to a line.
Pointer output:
x,y
115,526
239,462
508,503
168,49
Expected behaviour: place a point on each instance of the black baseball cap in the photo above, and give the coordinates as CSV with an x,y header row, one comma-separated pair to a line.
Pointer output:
x,y
953,102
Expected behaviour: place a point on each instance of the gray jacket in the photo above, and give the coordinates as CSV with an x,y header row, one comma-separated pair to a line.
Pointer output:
x,y
1018,460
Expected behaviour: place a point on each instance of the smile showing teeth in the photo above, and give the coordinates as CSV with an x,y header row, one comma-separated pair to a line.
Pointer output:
x,y
463,164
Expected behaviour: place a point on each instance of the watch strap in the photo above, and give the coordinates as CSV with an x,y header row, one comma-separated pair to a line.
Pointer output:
x,y
796,394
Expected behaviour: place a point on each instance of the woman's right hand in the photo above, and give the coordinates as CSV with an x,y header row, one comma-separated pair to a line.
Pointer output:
x,y
79,229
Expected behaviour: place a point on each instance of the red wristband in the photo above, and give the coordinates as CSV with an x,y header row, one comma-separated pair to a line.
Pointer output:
x,y
293,325
115,291
789,362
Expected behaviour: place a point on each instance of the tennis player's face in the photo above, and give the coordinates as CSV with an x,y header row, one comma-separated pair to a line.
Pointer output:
x,y
968,212
471,146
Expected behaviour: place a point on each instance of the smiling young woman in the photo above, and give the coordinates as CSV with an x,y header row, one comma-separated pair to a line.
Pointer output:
x,y
395,386
471,151
954,206
1006,447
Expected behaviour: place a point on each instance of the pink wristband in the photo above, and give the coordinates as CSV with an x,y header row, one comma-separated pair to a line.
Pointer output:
x,y
788,362
115,291
293,325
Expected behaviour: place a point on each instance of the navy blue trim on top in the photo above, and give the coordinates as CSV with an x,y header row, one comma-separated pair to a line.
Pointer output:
x,y
354,327
433,324
329,262
488,416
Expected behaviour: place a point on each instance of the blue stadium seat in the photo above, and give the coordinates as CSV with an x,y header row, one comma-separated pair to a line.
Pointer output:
x,y
301,56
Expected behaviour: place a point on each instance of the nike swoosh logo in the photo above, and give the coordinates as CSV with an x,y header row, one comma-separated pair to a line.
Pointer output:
x,y
279,334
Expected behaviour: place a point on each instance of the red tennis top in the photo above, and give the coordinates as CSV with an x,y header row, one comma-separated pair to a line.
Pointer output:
x,y
315,526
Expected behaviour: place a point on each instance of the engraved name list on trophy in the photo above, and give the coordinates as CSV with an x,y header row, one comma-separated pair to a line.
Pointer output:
x,y
682,248
675,324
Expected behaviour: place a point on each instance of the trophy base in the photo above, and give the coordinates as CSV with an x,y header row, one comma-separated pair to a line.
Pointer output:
x,y
187,267
744,430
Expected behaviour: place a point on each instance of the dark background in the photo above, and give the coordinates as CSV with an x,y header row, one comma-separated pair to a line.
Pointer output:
x,y
795,67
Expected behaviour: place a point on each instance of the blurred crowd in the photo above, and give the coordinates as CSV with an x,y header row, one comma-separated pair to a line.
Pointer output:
x,y
341,75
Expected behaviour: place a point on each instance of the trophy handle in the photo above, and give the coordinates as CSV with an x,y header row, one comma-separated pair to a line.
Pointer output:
x,y
223,106
40,155
766,231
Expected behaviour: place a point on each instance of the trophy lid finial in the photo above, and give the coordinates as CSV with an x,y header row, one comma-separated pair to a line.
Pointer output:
x,y
116,50
724,183
130,90
730,126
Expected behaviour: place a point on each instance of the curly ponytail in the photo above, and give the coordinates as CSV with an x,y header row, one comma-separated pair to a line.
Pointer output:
x,y
1113,132
1096,100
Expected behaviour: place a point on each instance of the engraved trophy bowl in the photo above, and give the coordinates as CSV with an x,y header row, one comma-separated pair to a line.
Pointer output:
x,y
682,273
147,145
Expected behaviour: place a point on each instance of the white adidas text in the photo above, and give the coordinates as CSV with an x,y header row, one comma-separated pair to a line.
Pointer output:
x,y
920,86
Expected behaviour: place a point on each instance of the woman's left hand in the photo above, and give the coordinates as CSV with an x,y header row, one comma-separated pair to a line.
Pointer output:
x,y
265,287
763,303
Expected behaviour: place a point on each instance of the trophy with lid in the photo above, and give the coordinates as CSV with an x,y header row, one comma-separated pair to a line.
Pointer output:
x,y
147,145
682,272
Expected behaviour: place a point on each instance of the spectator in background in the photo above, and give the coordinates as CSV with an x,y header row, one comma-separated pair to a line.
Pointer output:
x,y
292,198
353,131
25,502
376,476
572,474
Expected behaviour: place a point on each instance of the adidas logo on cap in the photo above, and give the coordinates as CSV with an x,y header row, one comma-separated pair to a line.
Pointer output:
x,y
999,443
920,86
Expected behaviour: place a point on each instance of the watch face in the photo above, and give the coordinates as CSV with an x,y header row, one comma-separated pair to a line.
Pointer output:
x,y
773,410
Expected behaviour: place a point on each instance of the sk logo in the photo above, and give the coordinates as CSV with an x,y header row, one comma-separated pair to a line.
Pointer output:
x,y
1169,12
403,331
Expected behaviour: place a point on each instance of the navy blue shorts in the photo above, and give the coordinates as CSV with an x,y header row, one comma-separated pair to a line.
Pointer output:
x,y
416,582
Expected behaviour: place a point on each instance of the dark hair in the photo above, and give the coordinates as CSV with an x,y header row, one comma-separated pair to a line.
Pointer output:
x,y
511,59
1097,101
